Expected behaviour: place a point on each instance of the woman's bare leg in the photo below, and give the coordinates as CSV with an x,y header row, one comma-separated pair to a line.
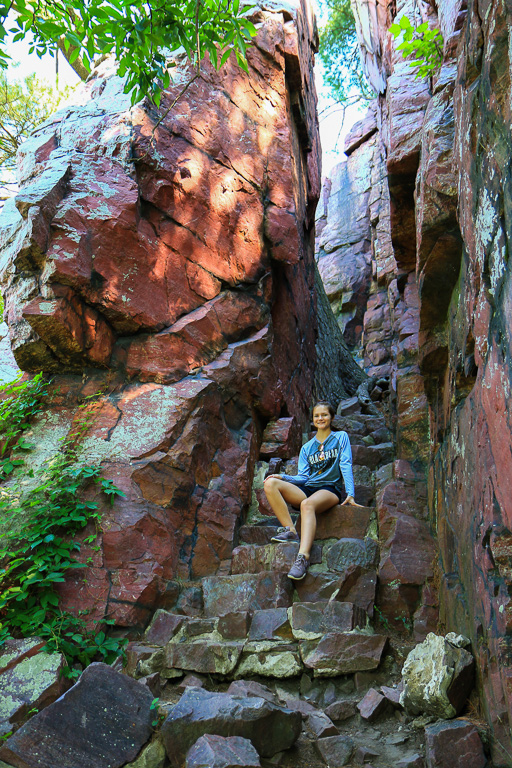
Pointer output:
x,y
278,493
319,502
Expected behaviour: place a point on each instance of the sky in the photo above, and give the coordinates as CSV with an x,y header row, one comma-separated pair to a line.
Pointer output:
x,y
331,134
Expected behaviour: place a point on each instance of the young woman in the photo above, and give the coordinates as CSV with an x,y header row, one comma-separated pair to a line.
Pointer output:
x,y
325,470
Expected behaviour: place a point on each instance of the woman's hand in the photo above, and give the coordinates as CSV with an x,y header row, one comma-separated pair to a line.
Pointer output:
x,y
269,476
350,501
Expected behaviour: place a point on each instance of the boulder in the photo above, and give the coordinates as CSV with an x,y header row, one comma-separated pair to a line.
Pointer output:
x,y
437,678
269,727
28,682
76,731
211,751
454,744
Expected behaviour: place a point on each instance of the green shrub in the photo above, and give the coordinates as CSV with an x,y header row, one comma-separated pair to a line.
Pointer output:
x,y
423,43
48,519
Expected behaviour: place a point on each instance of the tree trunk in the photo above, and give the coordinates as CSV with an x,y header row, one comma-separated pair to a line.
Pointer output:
x,y
337,375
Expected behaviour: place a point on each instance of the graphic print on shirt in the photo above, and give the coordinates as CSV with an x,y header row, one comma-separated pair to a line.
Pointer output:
x,y
322,460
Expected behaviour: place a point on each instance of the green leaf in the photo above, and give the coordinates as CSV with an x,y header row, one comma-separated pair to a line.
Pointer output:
x,y
225,56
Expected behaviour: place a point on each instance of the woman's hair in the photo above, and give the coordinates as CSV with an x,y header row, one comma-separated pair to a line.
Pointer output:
x,y
327,404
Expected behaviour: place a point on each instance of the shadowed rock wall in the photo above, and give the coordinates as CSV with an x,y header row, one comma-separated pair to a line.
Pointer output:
x,y
169,266
438,316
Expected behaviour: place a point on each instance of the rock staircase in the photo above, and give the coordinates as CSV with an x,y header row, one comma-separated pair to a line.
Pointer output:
x,y
311,641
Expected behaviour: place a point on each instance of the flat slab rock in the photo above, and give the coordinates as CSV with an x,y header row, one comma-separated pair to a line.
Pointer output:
x,y
75,731
269,727
341,653
211,751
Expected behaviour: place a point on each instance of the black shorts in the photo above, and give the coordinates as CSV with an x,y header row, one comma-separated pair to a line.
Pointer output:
x,y
309,490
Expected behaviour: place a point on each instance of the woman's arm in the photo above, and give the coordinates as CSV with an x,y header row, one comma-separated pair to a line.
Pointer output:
x,y
345,464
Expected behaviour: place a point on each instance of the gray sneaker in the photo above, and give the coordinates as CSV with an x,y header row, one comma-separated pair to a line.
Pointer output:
x,y
285,534
299,568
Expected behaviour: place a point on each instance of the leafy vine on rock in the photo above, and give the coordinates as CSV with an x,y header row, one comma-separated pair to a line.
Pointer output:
x,y
47,519
422,42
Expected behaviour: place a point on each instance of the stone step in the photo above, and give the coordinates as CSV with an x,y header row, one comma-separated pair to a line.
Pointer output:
x,y
257,534
280,643
310,621
343,522
356,585
246,592
342,653
254,558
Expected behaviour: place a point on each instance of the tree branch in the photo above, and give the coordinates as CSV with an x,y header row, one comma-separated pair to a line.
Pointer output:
x,y
77,64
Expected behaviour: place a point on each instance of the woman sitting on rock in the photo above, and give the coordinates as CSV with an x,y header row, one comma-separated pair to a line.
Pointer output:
x,y
325,470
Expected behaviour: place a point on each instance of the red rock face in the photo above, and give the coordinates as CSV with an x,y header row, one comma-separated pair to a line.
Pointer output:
x,y
170,265
437,319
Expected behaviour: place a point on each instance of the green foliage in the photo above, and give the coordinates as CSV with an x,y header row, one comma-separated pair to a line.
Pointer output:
x,y
21,402
159,716
425,44
339,53
23,106
48,519
140,33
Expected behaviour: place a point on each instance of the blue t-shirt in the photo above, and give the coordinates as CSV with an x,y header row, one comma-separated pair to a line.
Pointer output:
x,y
327,466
